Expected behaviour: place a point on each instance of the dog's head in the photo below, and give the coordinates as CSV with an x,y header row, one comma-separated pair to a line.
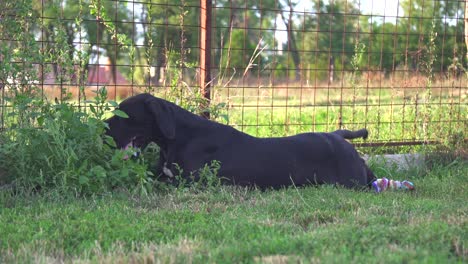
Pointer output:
x,y
150,119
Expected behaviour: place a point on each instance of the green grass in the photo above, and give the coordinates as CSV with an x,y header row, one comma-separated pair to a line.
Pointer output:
x,y
313,224
388,117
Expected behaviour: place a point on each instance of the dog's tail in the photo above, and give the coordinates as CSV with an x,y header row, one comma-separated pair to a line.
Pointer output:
x,y
348,134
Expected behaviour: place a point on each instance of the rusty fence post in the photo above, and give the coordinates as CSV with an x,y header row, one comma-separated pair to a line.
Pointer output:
x,y
205,53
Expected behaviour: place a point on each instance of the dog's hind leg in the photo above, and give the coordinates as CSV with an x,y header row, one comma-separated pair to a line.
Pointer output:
x,y
349,134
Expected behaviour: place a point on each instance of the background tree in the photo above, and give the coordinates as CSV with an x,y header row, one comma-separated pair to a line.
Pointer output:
x,y
167,35
466,29
88,25
239,27
291,42
104,31
331,32
169,30
421,17
59,29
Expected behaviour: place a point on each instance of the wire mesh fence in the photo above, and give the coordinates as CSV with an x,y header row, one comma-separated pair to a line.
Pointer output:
x,y
270,67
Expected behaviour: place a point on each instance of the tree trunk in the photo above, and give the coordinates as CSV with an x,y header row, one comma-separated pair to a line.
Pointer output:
x,y
113,67
292,47
148,46
466,28
159,76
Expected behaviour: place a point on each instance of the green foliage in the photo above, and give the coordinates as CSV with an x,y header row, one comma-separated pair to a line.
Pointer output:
x,y
19,51
241,48
61,146
403,44
64,148
112,34
328,36
331,30
237,35
166,28
185,96
58,145
208,179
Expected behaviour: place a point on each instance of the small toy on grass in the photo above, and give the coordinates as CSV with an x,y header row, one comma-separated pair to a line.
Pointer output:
x,y
384,184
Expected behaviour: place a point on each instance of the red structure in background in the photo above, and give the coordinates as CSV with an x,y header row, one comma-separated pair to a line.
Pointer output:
x,y
101,75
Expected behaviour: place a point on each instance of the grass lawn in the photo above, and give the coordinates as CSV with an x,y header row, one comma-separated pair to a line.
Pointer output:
x,y
310,225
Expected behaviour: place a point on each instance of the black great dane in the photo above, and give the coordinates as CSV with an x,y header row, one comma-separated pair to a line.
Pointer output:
x,y
191,141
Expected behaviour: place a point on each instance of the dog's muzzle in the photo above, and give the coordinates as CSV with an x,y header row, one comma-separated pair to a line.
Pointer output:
x,y
136,151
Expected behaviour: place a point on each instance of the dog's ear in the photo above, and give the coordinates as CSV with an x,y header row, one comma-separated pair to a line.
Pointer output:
x,y
164,116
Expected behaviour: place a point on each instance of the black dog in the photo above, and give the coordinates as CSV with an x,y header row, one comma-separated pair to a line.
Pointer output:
x,y
191,141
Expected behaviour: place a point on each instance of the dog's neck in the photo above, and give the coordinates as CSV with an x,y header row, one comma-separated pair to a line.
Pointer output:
x,y
189,120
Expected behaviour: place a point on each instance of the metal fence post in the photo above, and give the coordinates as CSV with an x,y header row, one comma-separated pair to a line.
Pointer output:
x,y
205,53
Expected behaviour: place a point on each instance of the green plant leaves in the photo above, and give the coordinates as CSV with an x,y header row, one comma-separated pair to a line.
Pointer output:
x,y
113,104
120,113
63,147
83,180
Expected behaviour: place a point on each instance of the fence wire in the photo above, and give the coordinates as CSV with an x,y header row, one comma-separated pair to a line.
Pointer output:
x,y
275,67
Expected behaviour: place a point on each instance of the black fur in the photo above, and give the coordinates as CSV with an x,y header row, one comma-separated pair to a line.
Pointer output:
x,y
192,141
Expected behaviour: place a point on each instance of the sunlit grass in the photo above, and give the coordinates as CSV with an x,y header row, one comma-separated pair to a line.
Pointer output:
x,y
388,115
